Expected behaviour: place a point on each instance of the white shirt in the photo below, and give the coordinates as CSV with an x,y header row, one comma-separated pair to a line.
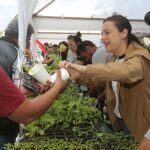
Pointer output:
x,y
116,110
114,86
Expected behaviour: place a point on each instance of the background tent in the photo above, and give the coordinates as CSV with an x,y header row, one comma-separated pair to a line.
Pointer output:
x,y
55,19
61,18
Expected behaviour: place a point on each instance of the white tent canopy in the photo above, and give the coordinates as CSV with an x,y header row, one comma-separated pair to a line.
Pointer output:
x,y
54,20
50,27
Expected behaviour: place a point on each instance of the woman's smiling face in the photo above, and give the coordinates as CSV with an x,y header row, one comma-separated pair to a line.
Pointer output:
x,y
111,37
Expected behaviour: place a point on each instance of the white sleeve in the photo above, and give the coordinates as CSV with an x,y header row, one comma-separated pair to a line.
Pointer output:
x,y
147,134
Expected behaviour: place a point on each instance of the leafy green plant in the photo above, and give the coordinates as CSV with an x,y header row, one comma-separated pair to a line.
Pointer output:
x,y
118,141
54,66
147,47
70,111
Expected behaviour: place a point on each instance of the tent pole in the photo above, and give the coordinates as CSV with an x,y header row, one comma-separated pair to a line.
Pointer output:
x,y
43,8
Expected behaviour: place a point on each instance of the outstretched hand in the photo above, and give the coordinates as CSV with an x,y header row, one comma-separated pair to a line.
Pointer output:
x,y
60,84
75,70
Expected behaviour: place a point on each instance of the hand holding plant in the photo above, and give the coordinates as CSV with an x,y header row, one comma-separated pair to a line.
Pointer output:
x,y
44,88
26,92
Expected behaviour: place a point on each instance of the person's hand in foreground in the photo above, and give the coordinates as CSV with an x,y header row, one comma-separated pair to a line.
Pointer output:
x,y
45,88
42,88
29,110
60,84
74,69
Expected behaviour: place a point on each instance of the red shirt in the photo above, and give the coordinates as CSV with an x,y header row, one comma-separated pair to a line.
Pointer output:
x,y
10,96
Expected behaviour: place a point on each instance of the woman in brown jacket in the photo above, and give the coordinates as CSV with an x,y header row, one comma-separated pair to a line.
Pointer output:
x,y
127,79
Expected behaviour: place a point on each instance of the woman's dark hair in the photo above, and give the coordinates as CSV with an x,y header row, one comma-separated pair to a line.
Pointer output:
x,y
121,23
46,44
76,38
147,18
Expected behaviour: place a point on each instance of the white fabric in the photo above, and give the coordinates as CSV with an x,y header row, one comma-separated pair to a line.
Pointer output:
x,y
116,110
25,11
147,135
17,69
114,86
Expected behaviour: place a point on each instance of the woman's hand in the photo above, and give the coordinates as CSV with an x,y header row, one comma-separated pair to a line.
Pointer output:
x,y
64,64
75,70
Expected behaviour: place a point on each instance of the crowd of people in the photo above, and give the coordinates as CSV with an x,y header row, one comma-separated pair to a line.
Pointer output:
x,y
119,69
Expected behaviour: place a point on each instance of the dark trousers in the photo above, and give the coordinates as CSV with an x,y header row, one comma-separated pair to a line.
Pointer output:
x,y
123,126
4,139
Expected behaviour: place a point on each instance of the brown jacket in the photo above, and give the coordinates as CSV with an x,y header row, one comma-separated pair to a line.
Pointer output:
x,y
133,76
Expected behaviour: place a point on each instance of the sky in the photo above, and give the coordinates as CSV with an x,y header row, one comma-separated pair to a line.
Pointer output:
x,y
133,9
99,8
8,10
